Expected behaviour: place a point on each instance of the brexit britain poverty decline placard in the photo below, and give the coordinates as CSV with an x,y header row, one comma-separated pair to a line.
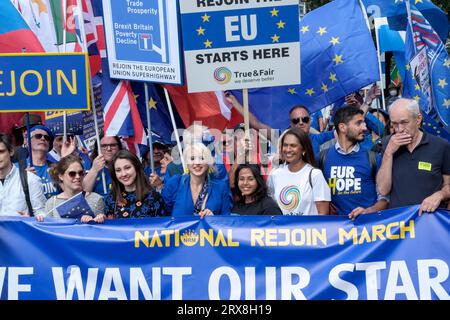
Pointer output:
x,y
234,44
142,40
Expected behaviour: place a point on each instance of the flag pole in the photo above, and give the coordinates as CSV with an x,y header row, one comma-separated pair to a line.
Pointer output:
x,y
64,24
246,122
172,118
94,109
149,126
377,25
24,50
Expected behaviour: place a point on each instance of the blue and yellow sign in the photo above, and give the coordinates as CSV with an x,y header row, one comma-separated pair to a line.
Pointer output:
x,y
44,82
394,254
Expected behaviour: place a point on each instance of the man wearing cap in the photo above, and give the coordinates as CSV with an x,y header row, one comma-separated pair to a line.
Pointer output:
x,y
41,142
20,134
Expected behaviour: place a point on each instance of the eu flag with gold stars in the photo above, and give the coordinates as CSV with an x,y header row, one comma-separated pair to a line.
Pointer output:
x,y
75,207
338,57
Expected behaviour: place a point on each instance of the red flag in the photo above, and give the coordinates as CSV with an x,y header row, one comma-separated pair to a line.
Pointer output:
x,y
206,107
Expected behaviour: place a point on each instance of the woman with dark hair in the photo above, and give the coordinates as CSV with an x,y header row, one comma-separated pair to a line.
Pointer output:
x,y
93,181
299,188
69,175
251,193
131,194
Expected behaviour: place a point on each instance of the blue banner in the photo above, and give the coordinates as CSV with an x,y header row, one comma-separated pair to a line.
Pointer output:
x,y
391,255
44,82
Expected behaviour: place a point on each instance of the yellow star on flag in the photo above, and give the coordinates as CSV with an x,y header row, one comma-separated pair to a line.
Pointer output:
x,y
281,24
442,83
200,31
207,43
417,1
338,58
334,40
407,67
309,92
292,91
332,77
135,97
416,97
417,87
205,17
275,38
152,103
304,29
447,63
274,12
446,103
322,30
324,87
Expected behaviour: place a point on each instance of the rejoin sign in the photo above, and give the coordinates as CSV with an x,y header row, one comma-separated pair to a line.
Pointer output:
x,y
240,43
142,40
44,82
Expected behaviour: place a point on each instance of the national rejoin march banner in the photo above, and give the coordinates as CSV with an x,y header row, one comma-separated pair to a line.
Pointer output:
x,y
392,255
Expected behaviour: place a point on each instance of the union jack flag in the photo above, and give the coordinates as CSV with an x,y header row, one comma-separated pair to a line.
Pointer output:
x,y
420,35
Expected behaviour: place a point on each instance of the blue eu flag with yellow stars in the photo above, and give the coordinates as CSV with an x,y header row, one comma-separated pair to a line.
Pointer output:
x,y
75,207
421,36
337,57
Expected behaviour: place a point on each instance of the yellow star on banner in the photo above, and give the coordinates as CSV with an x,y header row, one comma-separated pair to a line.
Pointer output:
x,y
442,83
41,6
417,98
205,18
207,43
322,30
292,91
334,40
447,63
274,12
152,103
309,92
446,103
275,38
324,87
417,87
338,58
304,29
332,77
200,31
281,24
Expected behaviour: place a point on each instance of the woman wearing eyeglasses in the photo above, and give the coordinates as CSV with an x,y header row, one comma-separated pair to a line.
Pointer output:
x,y
131,194
109,146
298,187
69,174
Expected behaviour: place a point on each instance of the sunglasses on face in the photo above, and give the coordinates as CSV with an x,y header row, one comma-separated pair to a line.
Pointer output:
x,y
39,136
73,174
303,119
110,146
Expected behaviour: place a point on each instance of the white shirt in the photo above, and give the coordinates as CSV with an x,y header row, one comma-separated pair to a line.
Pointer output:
x,y
12,196
293,193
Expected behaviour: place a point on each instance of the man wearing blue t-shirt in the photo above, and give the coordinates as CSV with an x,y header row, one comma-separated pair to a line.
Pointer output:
x,y
349,170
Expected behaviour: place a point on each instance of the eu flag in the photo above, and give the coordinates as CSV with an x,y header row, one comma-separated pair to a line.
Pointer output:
x,y
395,11
75,207
421,36
159,112
337,57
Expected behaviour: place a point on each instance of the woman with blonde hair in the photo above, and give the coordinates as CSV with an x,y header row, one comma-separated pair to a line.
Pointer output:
x,y
197,192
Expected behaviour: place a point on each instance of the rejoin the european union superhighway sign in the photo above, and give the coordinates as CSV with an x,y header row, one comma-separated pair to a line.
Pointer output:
x,y
143,40
234,44
44,82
